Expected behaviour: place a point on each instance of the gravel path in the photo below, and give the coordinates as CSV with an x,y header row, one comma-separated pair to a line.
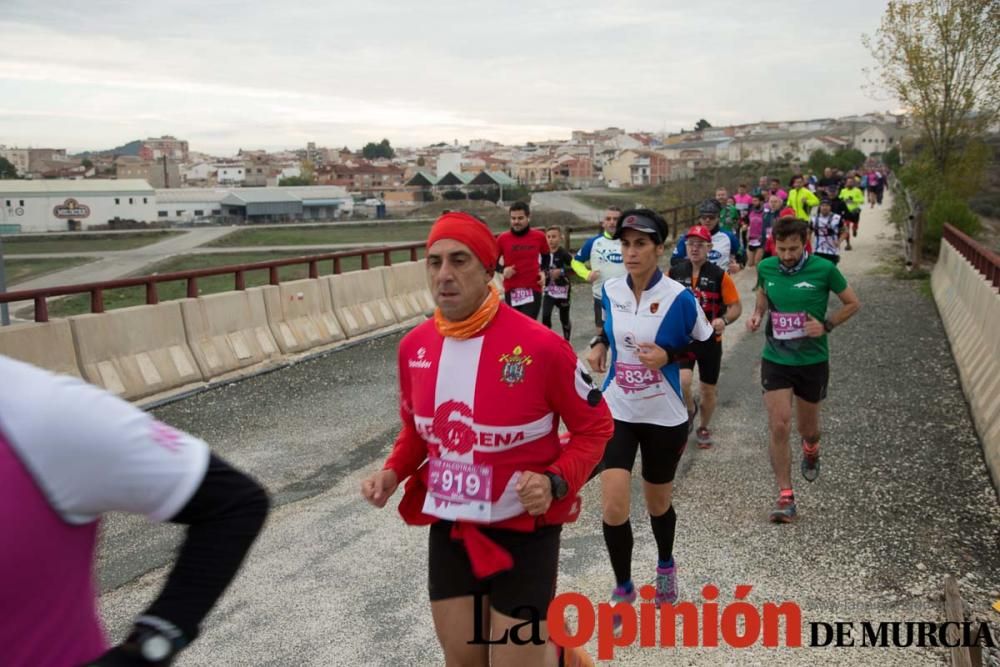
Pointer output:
x,y
903,500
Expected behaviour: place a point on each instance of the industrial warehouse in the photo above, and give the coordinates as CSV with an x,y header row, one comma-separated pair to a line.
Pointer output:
x,y
71,205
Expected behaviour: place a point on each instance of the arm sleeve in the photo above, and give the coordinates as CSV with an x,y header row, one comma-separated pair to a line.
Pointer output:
x,y
812,199
579,268
730,294
410,449
224,517
568,386
91,452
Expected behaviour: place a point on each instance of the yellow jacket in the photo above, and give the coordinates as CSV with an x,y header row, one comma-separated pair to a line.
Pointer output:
x,y
802,200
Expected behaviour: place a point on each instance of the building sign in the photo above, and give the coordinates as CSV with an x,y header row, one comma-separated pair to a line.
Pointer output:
x,y
71,209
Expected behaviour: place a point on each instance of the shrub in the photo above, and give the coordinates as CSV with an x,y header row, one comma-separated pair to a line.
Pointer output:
x,y
947,208
453,195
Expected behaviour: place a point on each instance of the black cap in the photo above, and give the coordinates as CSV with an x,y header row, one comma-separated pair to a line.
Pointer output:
x,y
709,207
645,221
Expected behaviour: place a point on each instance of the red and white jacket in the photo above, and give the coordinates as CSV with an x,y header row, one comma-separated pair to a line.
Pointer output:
x,y
494,400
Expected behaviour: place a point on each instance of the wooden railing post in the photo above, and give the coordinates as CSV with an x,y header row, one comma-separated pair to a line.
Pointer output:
x,y
192,288
152,297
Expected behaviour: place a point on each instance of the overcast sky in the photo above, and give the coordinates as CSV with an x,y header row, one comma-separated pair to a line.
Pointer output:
x,y
227,74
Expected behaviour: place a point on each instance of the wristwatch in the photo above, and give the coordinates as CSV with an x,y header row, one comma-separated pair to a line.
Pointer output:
x,y
559,486
156,639
828,325
600,339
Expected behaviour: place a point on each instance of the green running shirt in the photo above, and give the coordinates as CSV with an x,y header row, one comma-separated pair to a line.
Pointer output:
x,y
789,298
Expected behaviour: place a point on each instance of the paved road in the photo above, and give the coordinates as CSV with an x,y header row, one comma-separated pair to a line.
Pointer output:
x,y
118,263
904,499
565,201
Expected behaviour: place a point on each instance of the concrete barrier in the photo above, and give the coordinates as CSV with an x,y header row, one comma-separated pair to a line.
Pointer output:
x,y
136,352
48,345
406,290
228,332
970,310
300,315
359,301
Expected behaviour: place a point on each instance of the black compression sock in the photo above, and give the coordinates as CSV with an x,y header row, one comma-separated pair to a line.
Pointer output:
x,y
619,541
664,527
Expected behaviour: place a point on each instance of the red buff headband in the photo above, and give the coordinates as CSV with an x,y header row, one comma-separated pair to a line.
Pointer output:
x,y
470,231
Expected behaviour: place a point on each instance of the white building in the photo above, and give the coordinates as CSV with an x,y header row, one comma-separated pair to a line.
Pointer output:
x,y
449,162
59,205
19,157
189,205
229,174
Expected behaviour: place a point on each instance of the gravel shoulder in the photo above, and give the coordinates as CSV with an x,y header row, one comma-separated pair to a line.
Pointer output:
x,y
904,499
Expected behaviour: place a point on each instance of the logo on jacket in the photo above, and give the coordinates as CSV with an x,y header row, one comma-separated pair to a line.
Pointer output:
x,y
514,365
453,427
804,285
653,307
420,361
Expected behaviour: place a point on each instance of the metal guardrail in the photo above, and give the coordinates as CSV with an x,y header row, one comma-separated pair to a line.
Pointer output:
x,y
982,258
238,271
676,216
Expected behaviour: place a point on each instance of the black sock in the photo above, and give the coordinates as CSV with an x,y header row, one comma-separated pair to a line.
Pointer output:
x,y
664,527
619,541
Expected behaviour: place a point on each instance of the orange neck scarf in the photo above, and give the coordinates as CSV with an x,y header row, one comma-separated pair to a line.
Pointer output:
x,y
474,323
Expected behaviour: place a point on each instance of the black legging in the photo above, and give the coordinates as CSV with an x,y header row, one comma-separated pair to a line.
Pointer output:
x,y
548,303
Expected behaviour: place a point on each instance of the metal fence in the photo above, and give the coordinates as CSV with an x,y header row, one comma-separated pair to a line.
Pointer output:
x,y
982,258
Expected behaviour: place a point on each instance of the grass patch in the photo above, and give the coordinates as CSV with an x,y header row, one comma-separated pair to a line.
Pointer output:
x,y
389,232
20,270
136,296
16,245
329,234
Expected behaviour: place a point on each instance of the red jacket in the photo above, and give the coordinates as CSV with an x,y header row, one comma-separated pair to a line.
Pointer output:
x,y
493,401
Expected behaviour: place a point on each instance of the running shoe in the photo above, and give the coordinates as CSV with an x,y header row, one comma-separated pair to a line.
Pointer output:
x,y
666,584
784,509
810,461
704,438
619,595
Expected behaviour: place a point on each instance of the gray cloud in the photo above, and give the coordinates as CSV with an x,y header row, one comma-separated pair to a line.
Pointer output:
x,y
270,73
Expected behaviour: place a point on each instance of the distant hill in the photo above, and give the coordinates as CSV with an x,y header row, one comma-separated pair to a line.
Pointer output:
x,y
131,148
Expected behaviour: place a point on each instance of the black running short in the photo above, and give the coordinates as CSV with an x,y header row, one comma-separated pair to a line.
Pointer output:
x,y
598,313
708,355
807,382
662,447
530,583
833,258
853,216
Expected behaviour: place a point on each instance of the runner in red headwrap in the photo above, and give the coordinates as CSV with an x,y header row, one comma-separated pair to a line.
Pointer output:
x,y
482,392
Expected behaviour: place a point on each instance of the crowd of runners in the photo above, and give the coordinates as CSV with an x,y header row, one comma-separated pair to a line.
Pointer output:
x,y
502,426
481,451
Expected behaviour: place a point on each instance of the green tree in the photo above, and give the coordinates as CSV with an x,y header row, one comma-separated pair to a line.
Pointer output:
x,y
941,59
86,163
819,160
891,158
702,124
7,170
296,180
382,149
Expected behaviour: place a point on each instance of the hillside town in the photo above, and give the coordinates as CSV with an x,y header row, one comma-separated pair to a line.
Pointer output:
x,y
163,180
